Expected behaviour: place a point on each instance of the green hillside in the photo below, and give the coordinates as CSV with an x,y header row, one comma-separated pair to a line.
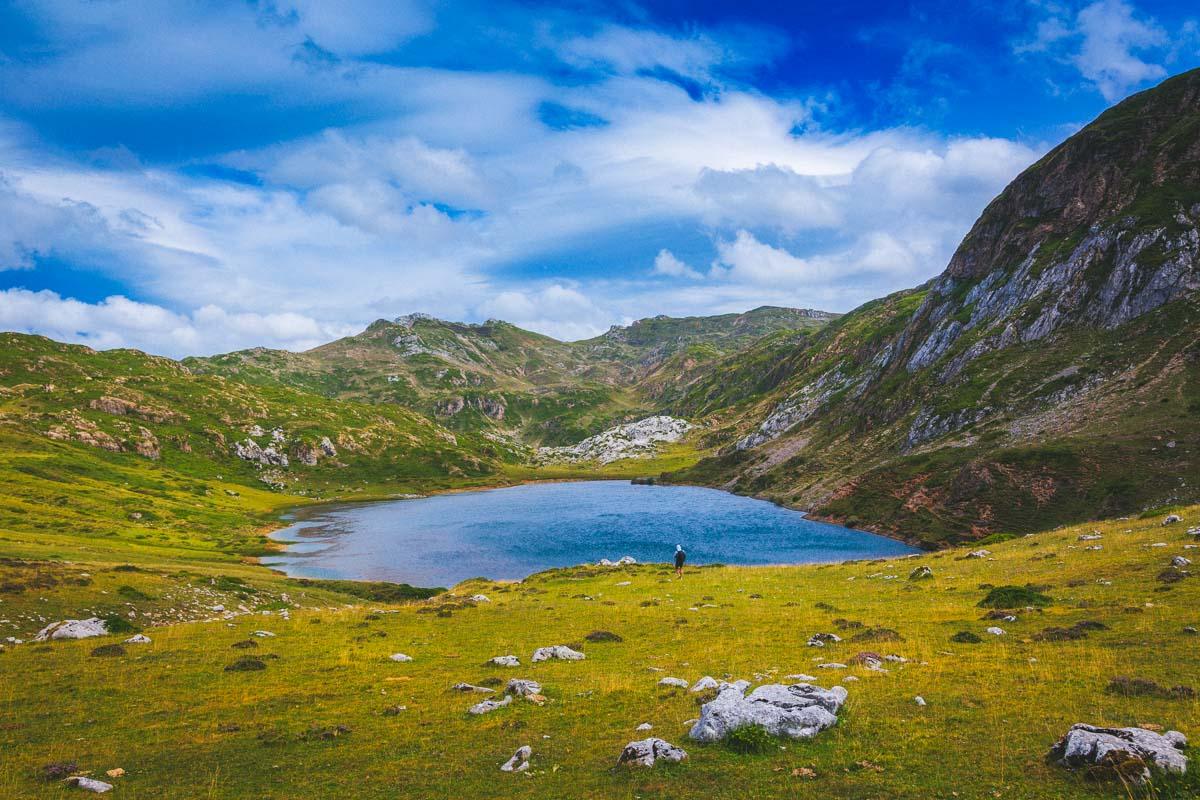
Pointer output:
x,y
497,377
1050,375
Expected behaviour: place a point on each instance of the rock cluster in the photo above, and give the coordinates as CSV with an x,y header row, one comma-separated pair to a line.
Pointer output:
x,y
631,440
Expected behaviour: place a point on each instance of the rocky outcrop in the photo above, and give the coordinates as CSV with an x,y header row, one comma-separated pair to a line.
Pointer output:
x,y
120,407
249,450
647,752
492,407
798,408
799,711
1126,752
639,439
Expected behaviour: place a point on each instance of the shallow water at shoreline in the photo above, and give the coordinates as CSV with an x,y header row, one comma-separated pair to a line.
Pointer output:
x,y
513,532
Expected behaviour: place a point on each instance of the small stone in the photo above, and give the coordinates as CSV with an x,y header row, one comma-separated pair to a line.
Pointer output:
x,y
263,634
994,631
1180,561
115,773
831,665
504,661
705,683
647,752
521,687
645,726
480,598
519,761
488,705
140,638
819,639
559,651
920,573
978,554
400,657
89,784
1171,519
675,682
919,700
470,687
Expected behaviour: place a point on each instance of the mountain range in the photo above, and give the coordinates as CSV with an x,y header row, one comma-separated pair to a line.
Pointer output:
x,y
1050,374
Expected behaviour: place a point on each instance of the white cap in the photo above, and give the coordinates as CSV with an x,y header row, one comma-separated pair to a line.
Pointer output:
x,y
678,547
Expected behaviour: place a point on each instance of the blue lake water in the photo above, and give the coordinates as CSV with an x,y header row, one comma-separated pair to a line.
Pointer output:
x,y
511,533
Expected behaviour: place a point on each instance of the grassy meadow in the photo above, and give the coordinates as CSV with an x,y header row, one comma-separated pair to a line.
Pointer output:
x,y
322,718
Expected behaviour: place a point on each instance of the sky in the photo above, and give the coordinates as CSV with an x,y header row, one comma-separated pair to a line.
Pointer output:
x,y
190,178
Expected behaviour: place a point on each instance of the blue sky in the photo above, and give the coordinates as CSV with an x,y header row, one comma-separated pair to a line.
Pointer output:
x,y
194,177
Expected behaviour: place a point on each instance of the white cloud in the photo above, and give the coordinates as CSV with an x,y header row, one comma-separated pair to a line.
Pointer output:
x,y
120,322
1107,43
666,263
428,208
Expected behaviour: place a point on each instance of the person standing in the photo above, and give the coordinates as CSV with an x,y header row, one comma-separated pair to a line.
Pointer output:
x,y
680,557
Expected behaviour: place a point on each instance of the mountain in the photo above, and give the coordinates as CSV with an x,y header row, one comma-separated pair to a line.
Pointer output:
x,y
500,378
1051,373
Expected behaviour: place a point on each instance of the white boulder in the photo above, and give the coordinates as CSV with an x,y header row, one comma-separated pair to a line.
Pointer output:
x,y
72,629
799,711
1088,745
559,651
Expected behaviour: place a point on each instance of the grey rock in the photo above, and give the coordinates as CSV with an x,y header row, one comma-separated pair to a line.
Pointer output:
x,y
139,638
679,683
1180,561
470,687
560,651
400,657
520,687
1171,519
89,784
799,711
920,573
819,639
505,661
645,726
1088,745
488,705
519,761
707,682
647,752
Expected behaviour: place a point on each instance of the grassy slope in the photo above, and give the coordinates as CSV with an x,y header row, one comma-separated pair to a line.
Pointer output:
x,y
994,708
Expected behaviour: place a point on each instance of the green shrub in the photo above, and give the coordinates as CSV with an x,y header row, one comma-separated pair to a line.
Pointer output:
x,y
965,637
115,623
750,739
1014,597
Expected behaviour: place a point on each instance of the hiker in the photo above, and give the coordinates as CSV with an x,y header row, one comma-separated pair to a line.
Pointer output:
x,y
680,557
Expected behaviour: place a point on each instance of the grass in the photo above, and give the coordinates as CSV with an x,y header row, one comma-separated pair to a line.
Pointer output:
x,y
320,718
